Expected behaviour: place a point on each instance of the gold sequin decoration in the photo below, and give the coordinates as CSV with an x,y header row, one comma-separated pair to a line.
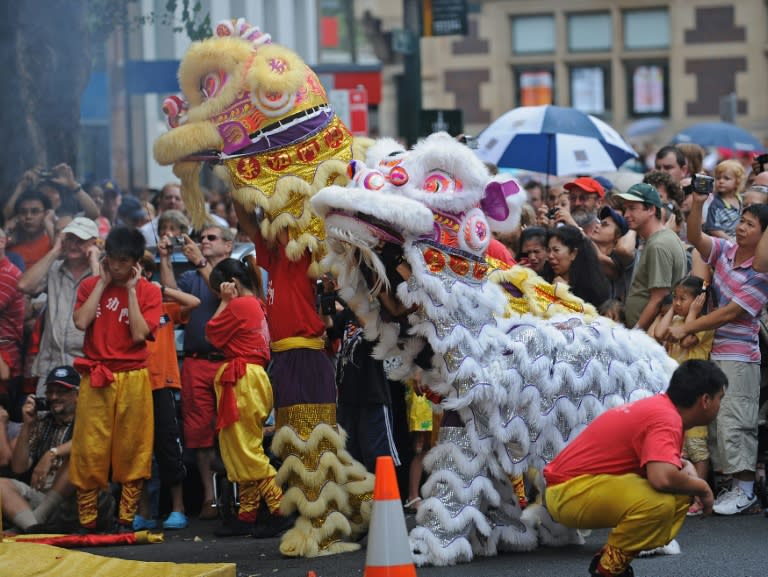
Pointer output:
x,y
304,418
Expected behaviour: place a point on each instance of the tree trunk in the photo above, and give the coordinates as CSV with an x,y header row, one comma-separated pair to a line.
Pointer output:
x,y
45,53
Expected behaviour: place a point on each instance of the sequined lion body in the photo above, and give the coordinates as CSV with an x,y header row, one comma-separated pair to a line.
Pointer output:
x,y
521,365
257,112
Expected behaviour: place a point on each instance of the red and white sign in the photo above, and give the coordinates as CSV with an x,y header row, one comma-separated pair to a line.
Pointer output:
x,y
352,107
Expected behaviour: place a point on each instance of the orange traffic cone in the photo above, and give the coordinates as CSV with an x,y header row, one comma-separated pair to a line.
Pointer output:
x,y
389,554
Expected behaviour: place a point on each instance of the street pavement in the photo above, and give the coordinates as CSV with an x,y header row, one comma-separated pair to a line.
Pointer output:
x,y
711,547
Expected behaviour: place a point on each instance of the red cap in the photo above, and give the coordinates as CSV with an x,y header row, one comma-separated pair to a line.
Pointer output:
x,y
588,184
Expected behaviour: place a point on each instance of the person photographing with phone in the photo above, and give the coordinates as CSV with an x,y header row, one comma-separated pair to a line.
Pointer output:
x,y
118,310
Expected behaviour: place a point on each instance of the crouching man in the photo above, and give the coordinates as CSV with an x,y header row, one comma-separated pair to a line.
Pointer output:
x,y
43,447
625,470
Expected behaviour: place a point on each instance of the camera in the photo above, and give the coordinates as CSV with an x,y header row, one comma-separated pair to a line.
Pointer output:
x,y
552,213
41,404
46,174
177,241
702,184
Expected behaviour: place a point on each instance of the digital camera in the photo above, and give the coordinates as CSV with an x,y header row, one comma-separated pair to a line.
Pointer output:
x,y
41,404
702,184
552,214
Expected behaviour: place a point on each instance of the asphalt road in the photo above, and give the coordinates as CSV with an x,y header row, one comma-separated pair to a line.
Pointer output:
x,y
711,547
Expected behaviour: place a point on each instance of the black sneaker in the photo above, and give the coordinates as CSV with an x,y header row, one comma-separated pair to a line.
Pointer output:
x,y
273,526
234,528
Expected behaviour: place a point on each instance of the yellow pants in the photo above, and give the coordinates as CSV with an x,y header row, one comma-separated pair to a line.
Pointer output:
x,y
241,443
641,517
114,427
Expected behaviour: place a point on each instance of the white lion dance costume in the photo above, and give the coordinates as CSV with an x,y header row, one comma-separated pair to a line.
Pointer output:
x,y
259,112
517,385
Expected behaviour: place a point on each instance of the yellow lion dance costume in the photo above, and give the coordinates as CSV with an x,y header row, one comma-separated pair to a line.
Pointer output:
x,y
258,112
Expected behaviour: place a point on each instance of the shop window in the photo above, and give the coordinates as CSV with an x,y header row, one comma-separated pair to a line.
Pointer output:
x,y
590,89
648,88
535,86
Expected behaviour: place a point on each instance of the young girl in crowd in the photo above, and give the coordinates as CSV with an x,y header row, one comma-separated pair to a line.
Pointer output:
x,y
419,409
688,300
725,210
244,397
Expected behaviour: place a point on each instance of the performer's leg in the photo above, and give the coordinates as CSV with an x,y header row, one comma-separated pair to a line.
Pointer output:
x,y
92,446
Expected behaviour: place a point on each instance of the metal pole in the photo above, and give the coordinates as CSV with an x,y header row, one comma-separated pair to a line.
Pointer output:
x,y
409,101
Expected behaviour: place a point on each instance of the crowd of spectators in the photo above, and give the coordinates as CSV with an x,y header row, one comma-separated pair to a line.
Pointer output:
x,y
633,253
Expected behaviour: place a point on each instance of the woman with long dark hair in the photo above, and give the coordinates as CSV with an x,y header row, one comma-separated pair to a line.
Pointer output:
x,y
573,259
244,396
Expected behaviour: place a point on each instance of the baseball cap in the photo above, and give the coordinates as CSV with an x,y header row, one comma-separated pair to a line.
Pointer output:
x,y
588,184
605,183
607,211
130,209
82,227
642,192
65,376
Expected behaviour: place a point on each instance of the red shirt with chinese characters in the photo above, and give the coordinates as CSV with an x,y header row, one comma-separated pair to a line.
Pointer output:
x,y
108,338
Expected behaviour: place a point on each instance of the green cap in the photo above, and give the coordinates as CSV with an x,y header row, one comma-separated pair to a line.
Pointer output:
x,y
642,192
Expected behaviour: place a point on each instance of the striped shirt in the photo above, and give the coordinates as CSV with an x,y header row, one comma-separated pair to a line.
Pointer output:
x,y
11,315
738,339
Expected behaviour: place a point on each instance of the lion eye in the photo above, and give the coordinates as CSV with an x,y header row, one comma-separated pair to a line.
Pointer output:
x,y
438,182
211,84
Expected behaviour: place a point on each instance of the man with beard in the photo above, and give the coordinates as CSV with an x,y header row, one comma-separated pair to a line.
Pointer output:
x,y
44,443
585,196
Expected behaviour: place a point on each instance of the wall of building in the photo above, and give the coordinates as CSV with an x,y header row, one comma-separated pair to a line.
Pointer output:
x,y
714,48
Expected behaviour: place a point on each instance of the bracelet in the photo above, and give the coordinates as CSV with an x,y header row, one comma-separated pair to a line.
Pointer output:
x,y
54,451
162,290
201,263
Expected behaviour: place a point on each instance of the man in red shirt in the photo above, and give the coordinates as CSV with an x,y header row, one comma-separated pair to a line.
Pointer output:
x,y
625,470
119,311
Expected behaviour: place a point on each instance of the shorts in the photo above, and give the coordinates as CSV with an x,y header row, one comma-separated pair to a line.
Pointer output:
x,y
696,449
198,402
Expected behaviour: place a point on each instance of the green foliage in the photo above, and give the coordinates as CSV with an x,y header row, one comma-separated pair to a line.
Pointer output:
x,y
104,16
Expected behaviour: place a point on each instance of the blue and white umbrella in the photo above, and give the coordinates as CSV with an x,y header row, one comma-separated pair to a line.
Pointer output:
x,y
720,134
553,140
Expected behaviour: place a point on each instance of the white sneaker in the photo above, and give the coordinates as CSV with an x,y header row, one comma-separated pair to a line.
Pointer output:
x,y
733,502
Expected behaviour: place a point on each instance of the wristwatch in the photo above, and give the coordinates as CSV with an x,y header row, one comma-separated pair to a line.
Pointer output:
x,y
201,263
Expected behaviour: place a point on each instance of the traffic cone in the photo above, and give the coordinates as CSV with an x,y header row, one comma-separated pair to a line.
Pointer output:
x,y
389,554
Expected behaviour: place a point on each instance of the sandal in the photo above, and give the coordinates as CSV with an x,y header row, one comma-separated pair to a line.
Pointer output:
x,y
412,504
695,510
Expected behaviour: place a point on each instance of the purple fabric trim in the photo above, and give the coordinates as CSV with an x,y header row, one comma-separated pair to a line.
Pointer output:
x,y
290,135
302,376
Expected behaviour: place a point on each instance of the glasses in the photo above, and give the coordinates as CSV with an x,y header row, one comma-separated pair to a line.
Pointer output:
x,y
30,211
210,237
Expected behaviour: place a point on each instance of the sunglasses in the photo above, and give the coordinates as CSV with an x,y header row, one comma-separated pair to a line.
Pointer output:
x,y
210,237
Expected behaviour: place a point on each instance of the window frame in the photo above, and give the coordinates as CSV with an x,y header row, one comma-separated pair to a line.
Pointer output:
x,y
624,36
548,67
